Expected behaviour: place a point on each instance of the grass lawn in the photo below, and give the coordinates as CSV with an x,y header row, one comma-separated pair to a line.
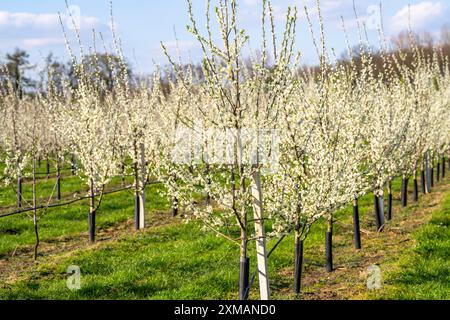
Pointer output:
x,y
175,260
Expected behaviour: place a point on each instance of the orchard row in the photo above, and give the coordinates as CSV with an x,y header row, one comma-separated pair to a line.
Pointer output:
x,y
243,139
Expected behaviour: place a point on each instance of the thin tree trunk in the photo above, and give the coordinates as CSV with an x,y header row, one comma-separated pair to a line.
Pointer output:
x,y
356,226
244,261
35,218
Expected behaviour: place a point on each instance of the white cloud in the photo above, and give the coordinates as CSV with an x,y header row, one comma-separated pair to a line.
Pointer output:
x,y
329,6
422,14
251,3
331,10
326,6
181,45
42,21
40,42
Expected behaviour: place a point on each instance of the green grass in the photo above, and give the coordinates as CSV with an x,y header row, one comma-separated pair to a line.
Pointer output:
x,y
424,273
162,264
172,261
17,231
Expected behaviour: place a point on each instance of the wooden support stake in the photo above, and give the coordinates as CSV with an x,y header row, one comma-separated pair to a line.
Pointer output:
x,y
264,286
143,182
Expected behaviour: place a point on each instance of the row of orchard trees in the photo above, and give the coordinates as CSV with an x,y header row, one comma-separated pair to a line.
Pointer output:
x,y
242,141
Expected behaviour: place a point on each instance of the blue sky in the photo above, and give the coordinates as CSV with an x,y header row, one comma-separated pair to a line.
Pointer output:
x,y
141,24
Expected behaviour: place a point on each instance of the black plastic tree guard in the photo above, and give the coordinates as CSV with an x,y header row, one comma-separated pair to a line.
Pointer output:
x,y
432,177
443,168
244,278
423,182
73,166
378,218
356,226
58,185
329,251
19,192
47,168
404,192
175,207
390,211
137,211
416,190
91,221
298,266
438,172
